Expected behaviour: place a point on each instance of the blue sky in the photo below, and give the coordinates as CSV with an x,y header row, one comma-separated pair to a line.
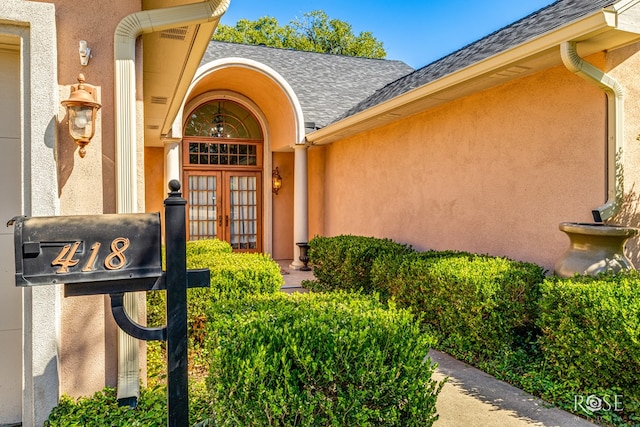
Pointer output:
x,y
414,31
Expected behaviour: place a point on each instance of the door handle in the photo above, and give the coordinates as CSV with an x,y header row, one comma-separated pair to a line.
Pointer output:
x,y
226,220
219,220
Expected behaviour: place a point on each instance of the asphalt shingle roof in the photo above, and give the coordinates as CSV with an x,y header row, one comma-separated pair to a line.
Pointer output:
x,y
536,24
333,87
326,85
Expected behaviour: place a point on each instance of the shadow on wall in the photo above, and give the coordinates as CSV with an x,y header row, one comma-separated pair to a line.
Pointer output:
x,y
629,215
45,392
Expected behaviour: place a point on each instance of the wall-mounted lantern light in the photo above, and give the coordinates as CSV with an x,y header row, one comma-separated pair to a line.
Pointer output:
x,y
82,109
276,180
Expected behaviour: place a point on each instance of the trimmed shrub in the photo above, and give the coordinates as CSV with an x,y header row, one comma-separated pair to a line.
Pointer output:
x,y
232,275
591,335
102,409
335,359
235,275
477,304
344,262
208,246
385,269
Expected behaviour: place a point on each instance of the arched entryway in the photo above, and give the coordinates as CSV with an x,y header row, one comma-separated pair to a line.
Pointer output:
x,y
222,162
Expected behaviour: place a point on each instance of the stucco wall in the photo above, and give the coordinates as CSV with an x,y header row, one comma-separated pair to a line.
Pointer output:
x,y
494,172
86,186
155,188
283,208
623,65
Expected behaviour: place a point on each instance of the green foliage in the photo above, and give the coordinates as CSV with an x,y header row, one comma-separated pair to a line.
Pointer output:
x,y
334,359
203,253
208,246
591,335
314,33
102,410
345,262
238,274
477,304
232,275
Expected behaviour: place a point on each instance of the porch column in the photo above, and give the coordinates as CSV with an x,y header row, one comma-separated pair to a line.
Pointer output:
x,y
300,203
171,160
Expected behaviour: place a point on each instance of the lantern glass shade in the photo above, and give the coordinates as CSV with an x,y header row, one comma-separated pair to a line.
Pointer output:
x,y
81,122
81,113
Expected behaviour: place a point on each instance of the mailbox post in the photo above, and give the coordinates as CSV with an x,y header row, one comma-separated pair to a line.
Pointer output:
x,y
114,254
176,246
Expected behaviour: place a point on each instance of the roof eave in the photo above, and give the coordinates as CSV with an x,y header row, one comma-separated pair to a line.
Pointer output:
x,y
597,32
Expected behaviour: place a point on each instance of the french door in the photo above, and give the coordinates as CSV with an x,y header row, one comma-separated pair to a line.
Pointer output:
x,y
225,205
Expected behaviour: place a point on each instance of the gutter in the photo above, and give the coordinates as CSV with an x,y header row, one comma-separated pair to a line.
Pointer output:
x,y
615,127
595,24
126,33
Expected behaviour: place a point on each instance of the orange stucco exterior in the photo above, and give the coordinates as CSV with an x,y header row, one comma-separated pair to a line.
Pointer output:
x,y
489,173
493,172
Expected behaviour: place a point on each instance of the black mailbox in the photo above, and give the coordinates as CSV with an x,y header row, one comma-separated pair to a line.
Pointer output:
x,y
114,254
87,248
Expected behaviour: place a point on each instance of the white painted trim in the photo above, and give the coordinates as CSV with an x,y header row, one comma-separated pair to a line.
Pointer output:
x,y
220,64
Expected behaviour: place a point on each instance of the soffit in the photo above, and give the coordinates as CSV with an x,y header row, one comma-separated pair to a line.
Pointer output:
x,y
170,60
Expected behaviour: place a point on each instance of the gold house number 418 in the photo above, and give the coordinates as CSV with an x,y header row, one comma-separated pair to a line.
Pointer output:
x,y
114,261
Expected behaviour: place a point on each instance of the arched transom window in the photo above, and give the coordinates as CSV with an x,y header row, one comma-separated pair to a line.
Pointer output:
x,y
223,119
223,133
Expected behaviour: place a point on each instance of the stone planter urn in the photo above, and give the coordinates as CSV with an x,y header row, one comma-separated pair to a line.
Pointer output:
x,y
304,257
594,248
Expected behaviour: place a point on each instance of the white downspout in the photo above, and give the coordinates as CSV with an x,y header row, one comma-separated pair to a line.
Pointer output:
x,y
615,127
126,33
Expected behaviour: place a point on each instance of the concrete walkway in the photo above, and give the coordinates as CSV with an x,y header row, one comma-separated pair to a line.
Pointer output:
x,y
471,397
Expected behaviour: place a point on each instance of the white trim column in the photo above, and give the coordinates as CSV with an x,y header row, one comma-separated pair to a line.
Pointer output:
x,y
300,202
171,161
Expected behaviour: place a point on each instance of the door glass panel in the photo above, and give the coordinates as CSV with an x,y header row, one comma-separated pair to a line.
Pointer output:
x,y
203,210
243,212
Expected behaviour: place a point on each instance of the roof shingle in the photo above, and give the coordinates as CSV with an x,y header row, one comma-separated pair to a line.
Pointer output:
x,y
536,24
326,85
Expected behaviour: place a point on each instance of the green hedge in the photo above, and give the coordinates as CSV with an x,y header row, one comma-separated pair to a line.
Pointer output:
x,y
237,274
335,359
208,246
591,336
232,275
477,304
345,262
102,409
